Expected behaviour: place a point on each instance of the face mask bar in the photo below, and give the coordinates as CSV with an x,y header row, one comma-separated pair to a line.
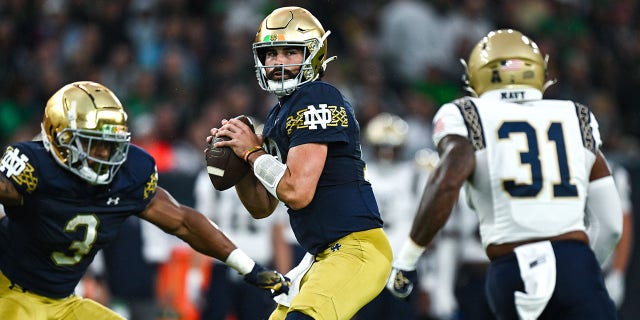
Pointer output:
x,y
93,169
282,87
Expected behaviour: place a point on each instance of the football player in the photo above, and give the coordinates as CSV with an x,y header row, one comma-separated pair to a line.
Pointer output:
x,y
309,157
66,197
547,205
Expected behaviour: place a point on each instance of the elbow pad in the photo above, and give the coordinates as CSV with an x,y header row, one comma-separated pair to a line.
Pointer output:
x,y
603,217
269,171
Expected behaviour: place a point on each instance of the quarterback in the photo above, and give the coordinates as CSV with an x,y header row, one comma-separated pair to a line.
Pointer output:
x,y
309,157
67,195
549,213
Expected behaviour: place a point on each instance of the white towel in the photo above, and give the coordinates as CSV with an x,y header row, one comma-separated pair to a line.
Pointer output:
x,y
295,275
537,263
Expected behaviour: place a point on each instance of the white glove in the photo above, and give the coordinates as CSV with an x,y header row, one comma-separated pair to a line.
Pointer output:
x,y
401,282
614,282
403,274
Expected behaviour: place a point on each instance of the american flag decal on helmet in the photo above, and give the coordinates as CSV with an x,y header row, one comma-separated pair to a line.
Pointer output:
x,y
513,64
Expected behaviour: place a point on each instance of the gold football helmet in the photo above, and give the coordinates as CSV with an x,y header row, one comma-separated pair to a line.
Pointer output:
x,y
291,27
386,129
82,116
505,59
426,158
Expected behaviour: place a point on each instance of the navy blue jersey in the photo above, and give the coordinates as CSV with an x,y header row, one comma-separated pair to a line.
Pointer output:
x,y
47,243
344,202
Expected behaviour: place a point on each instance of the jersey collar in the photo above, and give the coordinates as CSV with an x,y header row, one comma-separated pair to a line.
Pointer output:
x,y
513,95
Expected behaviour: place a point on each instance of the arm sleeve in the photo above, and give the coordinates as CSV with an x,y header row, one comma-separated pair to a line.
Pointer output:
x,y
623,185
604,217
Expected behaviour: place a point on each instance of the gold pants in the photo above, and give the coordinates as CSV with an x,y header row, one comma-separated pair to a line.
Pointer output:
x,y
18,304
343,278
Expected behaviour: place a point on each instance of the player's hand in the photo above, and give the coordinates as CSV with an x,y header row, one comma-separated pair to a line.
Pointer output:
x,y
401,282
264,278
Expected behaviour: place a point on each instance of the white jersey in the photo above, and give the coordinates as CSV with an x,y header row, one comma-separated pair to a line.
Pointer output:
x,y
533,161
226,210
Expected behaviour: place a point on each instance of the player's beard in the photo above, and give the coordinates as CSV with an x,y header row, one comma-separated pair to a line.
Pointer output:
x,y
285,74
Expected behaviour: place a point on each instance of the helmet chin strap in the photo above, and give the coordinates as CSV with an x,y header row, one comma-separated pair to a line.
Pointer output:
x,y
548,84
551,82
465,79
326,61
49,147
283,88
324,64
91,176
324,37
45,140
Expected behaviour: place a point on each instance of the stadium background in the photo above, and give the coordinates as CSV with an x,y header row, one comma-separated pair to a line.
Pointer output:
x,y
181,66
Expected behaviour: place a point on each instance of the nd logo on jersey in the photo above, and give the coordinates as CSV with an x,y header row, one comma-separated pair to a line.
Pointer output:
x,y
13,163
323,116
16,166
314,117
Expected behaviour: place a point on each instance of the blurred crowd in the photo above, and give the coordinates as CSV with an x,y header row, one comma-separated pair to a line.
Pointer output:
x,y
181,66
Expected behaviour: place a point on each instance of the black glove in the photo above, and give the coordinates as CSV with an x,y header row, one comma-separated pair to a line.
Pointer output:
x,y
401,282
264,278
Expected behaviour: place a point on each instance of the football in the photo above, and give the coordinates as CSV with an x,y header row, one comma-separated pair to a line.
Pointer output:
x,y
225,168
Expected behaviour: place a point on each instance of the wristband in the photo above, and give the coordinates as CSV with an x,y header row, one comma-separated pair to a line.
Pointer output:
x,y
250,151
240,261
408,256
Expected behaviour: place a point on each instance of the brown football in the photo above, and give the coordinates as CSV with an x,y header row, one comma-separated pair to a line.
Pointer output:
x,y
225,168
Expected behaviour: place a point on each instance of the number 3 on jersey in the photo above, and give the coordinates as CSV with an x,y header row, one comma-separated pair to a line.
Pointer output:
x,y
80,248
532,158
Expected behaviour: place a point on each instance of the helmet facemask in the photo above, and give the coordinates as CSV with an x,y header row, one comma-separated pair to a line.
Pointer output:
x,y
77,144
282,87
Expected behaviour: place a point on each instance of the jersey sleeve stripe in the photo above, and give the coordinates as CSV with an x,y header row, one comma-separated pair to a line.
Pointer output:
x,y
472,121
584,116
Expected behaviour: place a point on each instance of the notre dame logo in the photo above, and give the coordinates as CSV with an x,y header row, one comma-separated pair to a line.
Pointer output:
x,y
152,184
320,117
317,117
16,166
